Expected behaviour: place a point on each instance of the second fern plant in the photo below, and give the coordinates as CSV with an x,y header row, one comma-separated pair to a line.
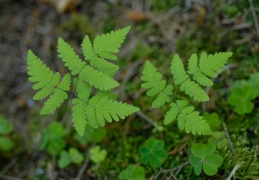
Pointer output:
x,y
198,74
94,72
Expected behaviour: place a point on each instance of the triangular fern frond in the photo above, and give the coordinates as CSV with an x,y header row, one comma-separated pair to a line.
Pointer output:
x,y
107,44
93,76
187,118
69,57
199,74
156,85
186,84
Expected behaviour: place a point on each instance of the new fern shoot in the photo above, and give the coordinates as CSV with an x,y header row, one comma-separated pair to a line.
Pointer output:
x,y
93,77
190,82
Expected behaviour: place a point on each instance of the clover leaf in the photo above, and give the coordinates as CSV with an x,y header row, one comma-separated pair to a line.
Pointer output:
x,y
97,154
153,153
92,135
64,159
72,156
6,144
52,139
241,97
203,157
219,139
133,172
5,126
254,82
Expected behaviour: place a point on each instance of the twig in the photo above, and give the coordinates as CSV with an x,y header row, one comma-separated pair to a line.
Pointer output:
x,y
228,138
234,170
178,168
254,16
81,171
149,120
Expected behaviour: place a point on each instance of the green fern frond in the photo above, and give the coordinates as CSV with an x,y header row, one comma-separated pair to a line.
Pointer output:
x,y
83,90
187,118
69,57
65,83
87,48
153,81
208,66
199,74
97,79
79,115
101,108
104,66
39,73
186,84
194,90
54,102
107,44
163,97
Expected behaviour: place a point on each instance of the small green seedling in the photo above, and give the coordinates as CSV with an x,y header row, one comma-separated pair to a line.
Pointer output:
x,y
52,139
189,81
132,172
97,155
6,144
243,93
72,156
153,153
93,77
203,157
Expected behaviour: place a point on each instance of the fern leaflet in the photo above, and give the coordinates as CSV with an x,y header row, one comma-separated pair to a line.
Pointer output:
x,y
79,116
187,118
69,57
107,44
100,108
156,85
47,82
181,78
208,66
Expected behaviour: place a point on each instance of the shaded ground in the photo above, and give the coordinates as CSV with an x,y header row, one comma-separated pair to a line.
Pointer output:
x,y
158,30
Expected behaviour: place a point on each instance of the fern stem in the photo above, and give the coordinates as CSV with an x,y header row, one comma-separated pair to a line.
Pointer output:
x,y
149,120
228,138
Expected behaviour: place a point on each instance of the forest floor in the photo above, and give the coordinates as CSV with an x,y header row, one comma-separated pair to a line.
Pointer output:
x,y
158,30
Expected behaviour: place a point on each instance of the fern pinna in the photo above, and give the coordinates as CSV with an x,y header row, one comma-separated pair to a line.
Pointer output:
x,y
94,72
198,74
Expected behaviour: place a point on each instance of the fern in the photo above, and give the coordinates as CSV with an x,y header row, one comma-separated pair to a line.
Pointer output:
x,y
190,83
47,82
95,71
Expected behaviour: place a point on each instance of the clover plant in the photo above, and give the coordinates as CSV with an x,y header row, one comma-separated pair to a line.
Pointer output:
x,y
204,157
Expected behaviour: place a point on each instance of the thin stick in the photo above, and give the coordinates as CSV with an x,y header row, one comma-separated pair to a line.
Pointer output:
x,y
234,170
228,138
178,168
254,15
149,120
82,169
